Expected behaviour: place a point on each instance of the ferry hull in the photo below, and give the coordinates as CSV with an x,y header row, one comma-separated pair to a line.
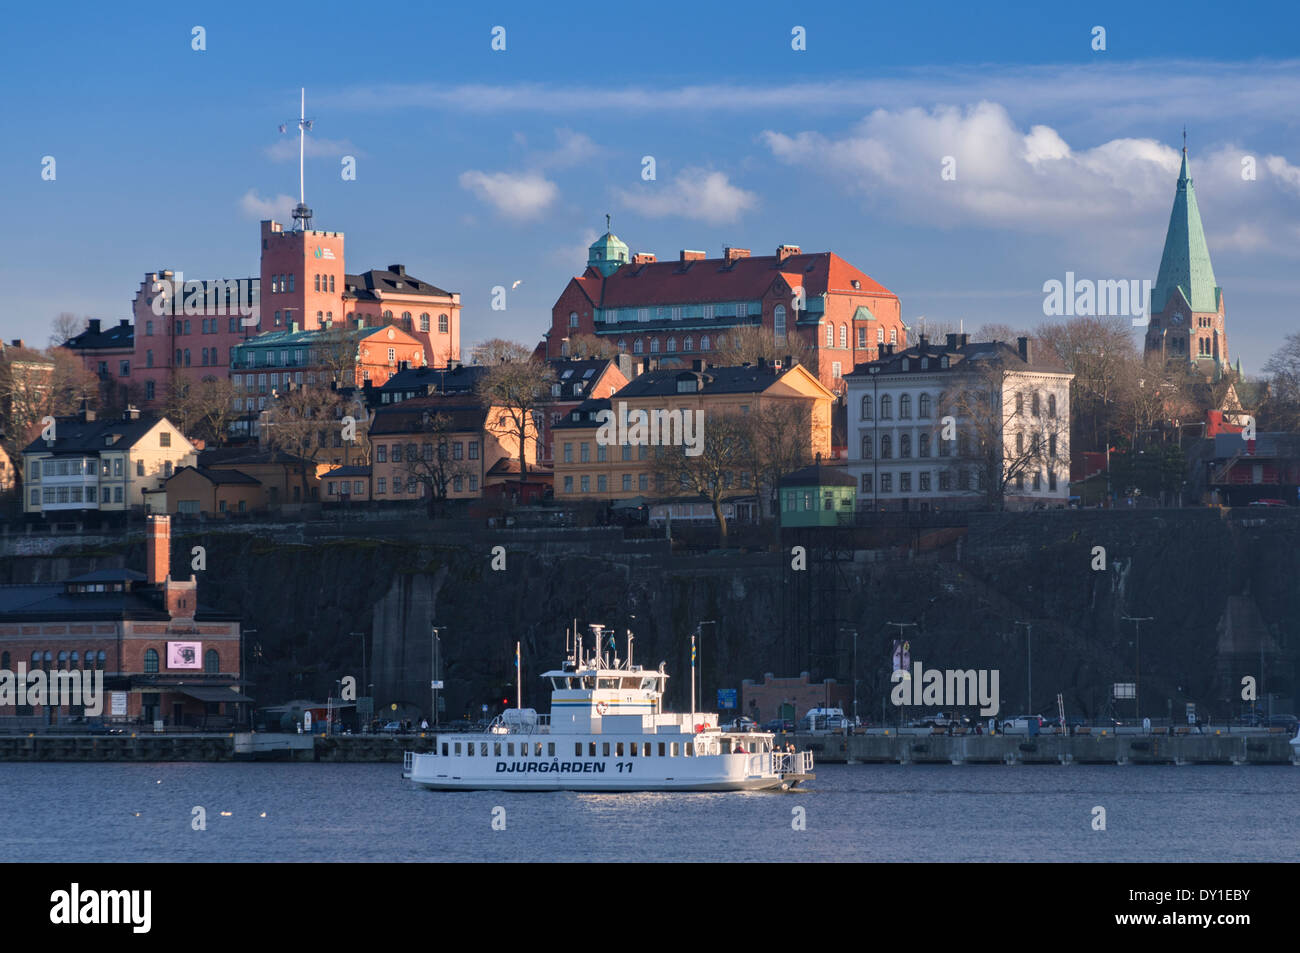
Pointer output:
x,y
612,786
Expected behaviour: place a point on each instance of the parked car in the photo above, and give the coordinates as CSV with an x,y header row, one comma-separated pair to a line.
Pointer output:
x,y
1020,724
392,727
778,724
742,723
1268,503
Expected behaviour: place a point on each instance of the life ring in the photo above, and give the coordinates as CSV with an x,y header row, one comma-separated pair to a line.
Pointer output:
x,y
699,729
601,708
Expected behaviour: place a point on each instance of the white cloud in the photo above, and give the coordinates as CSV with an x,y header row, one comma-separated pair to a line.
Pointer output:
x,y
521,196
1286,173
575,256
572,149
696,194
279,208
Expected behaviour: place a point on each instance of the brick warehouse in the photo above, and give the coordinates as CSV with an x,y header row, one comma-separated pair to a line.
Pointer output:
x,y
687,309
164,657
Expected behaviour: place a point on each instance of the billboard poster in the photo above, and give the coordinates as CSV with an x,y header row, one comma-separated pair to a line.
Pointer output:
x,y
902,655
184,655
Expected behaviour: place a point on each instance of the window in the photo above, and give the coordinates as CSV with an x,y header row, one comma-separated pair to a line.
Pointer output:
x,y
905,483
573,320
151,661
148,358
886,483
924,480
1051,479
643,481
637,346
923,445
187,357
424,321
866,407
381,485
886,407
627,481
211,662
830,334
945,447
1038,480
778,323
1051,405
923,407
331,282
886,447
866,446
602,484
148,329
866,483
568,484
893,335
880,335
835,369
704,342
905,407
862,337
844,335
568,453
586,483
945,480
473,449
905,446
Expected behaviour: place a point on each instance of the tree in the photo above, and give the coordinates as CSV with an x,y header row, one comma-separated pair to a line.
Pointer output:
x,y
1002,434
778,439
432,464
583,346
498,351
712,473
35,385
1101,354
519,386
337,356
65,327
301,422
747,344
1281,410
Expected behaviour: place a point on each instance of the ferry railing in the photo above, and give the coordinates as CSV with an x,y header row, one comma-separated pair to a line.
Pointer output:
x,y
792,762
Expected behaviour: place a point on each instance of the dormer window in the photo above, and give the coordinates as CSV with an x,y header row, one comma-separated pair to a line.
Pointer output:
x,y
943,362
687,385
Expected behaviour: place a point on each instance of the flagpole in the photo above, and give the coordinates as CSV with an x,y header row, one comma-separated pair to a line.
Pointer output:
x,y
692,681
519,684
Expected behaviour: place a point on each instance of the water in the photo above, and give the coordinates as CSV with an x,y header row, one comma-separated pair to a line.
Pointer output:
x,y
365,812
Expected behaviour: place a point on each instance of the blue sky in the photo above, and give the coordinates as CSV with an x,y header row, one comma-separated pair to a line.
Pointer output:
x,y
478,168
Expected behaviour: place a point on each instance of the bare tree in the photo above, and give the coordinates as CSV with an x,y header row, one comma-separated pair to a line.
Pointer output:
x,y
302,422
35,385
498,351
520,387
778,439
433,464
1101,354
1281,409
65,327
591,346
336,354
747,344
711,474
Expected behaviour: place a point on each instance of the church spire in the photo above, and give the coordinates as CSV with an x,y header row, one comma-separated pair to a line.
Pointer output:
x,y
1185,264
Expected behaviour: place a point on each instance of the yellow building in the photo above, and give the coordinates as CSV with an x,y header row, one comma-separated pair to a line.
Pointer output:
x,y
104,465
600,453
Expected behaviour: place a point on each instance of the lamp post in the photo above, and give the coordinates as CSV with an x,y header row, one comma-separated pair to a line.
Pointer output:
x,y
699,635
855,671
1137,685
243,675
437,643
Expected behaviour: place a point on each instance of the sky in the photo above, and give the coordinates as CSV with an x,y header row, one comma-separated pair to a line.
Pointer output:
x,y
478,167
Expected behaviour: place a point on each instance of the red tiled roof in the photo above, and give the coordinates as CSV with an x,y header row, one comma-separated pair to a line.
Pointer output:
x,y
715,279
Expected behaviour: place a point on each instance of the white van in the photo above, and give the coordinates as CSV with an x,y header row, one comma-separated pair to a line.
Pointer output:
x,y
824,719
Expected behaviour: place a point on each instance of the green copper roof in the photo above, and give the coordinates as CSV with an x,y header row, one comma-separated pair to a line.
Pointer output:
x,y
863,313
607,253
1185,264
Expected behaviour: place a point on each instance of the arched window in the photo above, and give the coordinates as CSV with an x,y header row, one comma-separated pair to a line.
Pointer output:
x,y
880,335
844,335
893,335
573,319
89,659
905,445
778,323
1051,405
866,446
211,662
76,661
923,445
830,334
36,661
638,346
406,320
63,660
687,343
317,277
704,342
622,345
671,346
923,405
905,407
388,315
99,661
886,407
151,661
654,345
49,659
424,321
866,407
886,447
442,324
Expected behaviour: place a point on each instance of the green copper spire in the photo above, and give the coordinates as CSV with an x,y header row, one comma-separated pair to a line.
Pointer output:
x,y
607,253
1185,264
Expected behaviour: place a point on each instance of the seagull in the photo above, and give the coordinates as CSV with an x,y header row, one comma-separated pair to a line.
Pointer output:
x,y
516,284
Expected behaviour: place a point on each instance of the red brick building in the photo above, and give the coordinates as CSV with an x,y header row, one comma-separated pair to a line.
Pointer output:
x,y
688,308
163,656
764,700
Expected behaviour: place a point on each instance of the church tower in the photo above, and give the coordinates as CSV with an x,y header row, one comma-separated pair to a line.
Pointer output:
x,y
1186,307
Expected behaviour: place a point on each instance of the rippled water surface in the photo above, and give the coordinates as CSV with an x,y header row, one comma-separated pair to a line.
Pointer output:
x,y
345,812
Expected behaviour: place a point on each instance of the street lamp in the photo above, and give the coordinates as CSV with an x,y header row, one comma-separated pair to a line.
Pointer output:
x,y
437,643
1137,685
855,671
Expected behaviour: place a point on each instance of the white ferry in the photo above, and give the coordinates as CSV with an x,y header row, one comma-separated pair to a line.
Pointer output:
x,y
607,731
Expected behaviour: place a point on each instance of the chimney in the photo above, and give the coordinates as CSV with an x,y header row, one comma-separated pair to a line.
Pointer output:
x,y
952,340
94,325
158,549
785,251
789,361
735,254
1023,348
398,269
132,413
643,258
762,363
921,342
87,415
124,323
697,365
688,255
18,343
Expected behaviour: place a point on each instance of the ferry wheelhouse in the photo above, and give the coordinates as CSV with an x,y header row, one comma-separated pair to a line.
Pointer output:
x,y
607,731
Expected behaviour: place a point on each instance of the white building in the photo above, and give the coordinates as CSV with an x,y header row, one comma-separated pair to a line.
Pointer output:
x,y
960,425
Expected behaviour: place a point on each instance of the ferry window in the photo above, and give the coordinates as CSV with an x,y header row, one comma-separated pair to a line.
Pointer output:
x,y
618,749
568,683
510,749
608,682
588,682
631,748
577,749
673,749
690,749
482,749
591,749
604,749
538,749
661,749
444,749
648,684
645,749
458,747
469,749
631,683
496,749
550,749
555,683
